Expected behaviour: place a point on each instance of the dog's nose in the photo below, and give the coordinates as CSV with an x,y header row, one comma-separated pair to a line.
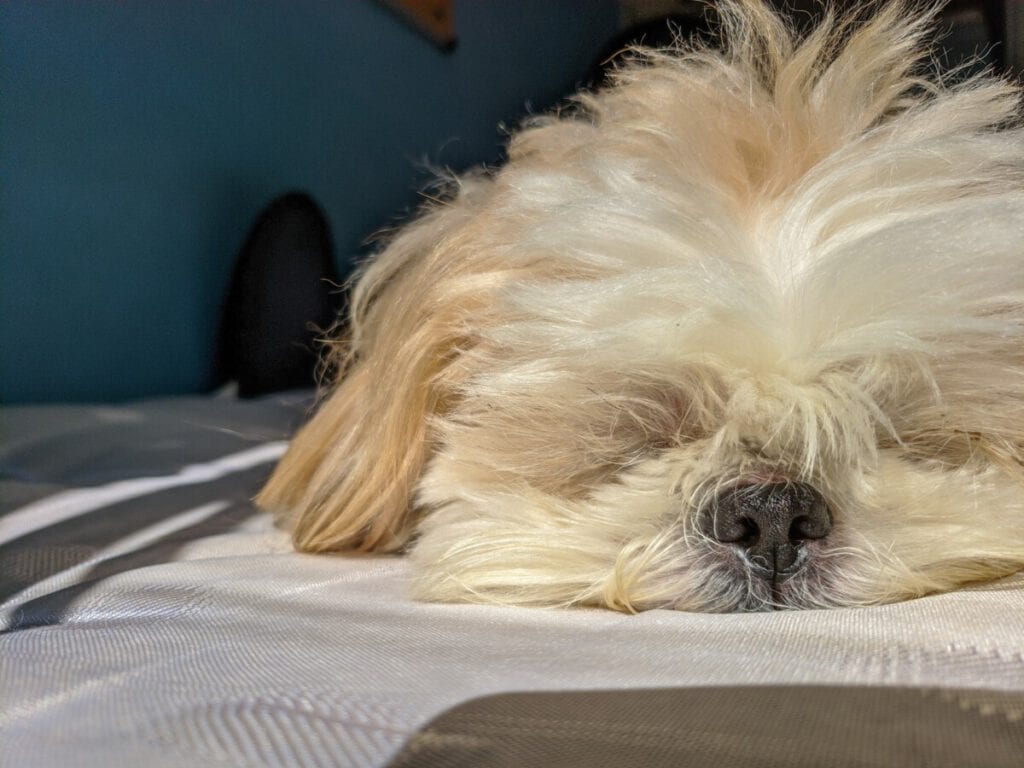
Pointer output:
x,y
770,523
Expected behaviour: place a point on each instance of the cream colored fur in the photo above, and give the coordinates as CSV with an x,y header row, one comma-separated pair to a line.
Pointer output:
x,y
792,257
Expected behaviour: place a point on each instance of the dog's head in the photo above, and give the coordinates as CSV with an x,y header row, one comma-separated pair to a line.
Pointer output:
x,y
743,330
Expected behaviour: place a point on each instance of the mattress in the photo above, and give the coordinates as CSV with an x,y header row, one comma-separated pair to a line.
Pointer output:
x,y
151,615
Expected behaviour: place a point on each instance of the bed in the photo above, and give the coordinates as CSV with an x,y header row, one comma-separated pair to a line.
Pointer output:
x,y
152,616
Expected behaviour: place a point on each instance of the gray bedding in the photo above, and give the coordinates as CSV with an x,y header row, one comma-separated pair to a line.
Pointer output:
x,y
150,615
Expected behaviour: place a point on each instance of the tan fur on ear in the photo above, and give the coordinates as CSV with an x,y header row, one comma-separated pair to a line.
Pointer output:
x,y
348,477
336,488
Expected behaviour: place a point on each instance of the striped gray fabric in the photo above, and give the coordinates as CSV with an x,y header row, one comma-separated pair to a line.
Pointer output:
x,y
151,616
749,726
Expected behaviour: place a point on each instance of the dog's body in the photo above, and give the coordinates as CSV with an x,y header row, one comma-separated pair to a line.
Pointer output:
x,y
742,331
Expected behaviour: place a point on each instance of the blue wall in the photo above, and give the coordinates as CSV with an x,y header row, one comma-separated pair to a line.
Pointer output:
x,y
139,139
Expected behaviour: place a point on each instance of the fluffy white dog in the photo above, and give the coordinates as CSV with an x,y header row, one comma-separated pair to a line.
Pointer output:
x,y
741,331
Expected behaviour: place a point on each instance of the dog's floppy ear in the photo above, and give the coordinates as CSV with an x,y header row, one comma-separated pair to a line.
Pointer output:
x,y
348,478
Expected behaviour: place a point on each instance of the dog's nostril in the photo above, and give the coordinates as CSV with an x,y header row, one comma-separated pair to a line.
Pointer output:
x,y
811,527
736,530
751,533
797,529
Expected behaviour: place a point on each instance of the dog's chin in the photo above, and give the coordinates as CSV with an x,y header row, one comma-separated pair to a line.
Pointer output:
x,y
729,583
716,578
707,583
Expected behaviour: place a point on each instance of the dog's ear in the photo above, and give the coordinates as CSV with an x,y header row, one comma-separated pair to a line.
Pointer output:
x,y
348,478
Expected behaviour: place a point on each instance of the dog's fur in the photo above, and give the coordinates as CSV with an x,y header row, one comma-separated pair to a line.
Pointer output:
x,y
795,258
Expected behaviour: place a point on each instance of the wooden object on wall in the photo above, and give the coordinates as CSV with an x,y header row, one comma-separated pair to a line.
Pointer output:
x,y
433,18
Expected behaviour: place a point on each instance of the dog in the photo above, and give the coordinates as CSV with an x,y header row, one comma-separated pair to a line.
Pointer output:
x,y
740,331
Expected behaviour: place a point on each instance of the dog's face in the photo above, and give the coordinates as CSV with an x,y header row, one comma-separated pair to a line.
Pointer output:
x,y
743,332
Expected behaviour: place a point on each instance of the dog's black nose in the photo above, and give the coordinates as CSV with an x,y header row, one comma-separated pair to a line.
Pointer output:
x,y
770,523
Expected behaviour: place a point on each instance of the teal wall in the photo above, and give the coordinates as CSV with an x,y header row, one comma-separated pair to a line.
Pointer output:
x,y
139,139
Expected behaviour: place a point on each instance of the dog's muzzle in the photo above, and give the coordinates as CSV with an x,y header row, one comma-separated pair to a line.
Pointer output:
x,y
769,525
